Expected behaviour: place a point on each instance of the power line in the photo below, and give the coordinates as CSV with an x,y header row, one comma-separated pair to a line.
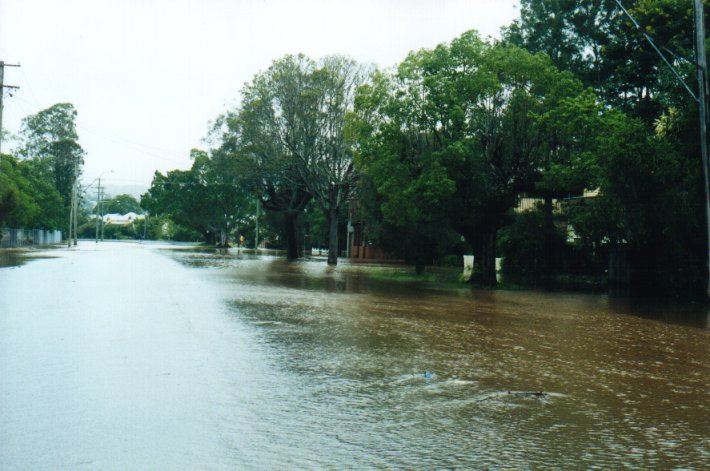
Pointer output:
x,y
134,147
658,51
121,141
29,86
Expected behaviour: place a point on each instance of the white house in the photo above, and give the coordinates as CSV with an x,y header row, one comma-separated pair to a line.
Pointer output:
x,y
121,219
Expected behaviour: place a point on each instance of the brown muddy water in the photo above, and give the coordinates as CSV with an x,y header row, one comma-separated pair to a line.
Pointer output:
x,y
626,384
222,360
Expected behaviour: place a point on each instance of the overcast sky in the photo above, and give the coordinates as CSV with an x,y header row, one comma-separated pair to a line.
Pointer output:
x,y
147,76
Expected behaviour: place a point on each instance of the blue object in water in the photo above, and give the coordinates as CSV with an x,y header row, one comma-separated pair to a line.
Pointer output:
x,y
427,375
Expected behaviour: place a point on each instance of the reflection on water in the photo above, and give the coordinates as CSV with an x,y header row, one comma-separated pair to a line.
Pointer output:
x,y
626,384
15,258
10,259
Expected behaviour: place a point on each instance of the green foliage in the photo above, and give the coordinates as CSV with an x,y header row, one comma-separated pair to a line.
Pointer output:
x,y
35,190
601,46
201,199
522,245
457,133
121,204
28,199
263,142
289,142
49,137
651,203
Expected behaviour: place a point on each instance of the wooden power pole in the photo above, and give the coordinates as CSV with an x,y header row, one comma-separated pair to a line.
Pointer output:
x,y
2,92
701,61
96,210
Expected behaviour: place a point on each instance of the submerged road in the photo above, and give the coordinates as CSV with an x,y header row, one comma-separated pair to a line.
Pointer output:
x,y
130,356
113,356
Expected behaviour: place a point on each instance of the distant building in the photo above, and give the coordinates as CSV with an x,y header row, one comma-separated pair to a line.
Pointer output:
x,y
121,219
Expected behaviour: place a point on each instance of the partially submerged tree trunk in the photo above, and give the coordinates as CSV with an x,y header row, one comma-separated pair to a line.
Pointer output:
x,y
484,251
419,267
290,220
332,215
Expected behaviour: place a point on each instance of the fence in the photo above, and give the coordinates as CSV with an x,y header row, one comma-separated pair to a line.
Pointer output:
x,y
28,237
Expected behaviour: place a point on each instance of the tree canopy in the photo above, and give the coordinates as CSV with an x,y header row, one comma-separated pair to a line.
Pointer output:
x,y
435,154
457,133
288,140
50,137
36,184
121,204
199,199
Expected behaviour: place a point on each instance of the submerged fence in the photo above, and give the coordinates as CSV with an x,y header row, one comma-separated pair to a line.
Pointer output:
x,y
28,237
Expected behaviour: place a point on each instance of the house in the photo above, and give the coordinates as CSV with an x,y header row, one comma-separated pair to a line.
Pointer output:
x,y
121,219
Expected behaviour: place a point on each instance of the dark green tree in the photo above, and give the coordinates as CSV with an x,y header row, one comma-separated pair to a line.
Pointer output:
x,y
50,137
610,54
328,173
398,156
468,122
199,199
28,198
289,143
121,204
252,147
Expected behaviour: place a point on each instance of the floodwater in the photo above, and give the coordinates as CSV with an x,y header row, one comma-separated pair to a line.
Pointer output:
x,y
138,356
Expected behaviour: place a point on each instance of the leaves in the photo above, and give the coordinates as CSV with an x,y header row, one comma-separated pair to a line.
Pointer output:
x,y
50,136
201,198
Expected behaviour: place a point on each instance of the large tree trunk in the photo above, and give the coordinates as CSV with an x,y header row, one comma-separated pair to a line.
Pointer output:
x,y
484,245
290,234
332,215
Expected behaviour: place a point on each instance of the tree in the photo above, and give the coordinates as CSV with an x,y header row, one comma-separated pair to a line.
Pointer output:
x,y
17,207
663,166
601,46
328,172
50,137
198,199
467,119
398,155
27,197
122,204
650,205
253,137
288,140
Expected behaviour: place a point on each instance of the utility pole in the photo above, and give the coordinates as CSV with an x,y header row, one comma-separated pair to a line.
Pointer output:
x,y
702,107
700,99
74,208
76,212
71,214
2,92
256,238
98,199
101,213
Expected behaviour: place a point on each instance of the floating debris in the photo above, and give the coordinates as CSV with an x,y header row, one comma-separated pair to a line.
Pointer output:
x,y
528,393
536,394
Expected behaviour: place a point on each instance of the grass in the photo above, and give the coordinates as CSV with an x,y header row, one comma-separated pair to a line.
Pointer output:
x,y
451,277
434,275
